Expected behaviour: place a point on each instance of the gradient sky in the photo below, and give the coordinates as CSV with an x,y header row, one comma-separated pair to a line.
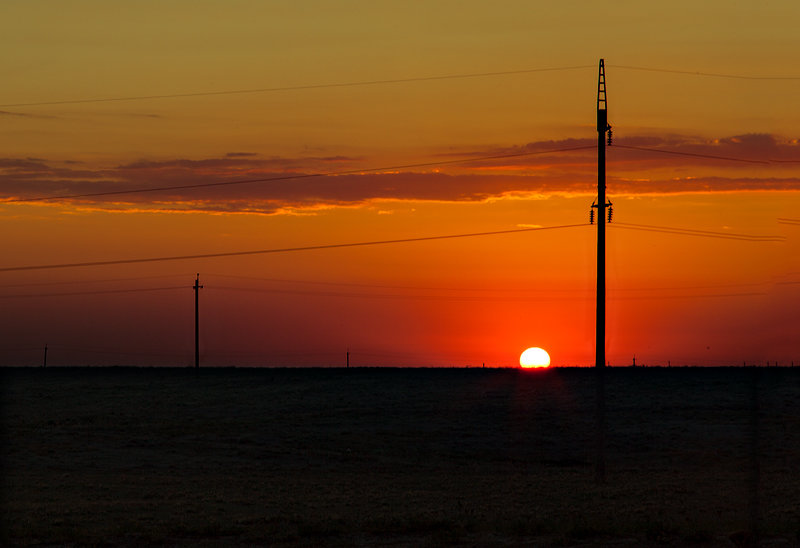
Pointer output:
x,y
673,297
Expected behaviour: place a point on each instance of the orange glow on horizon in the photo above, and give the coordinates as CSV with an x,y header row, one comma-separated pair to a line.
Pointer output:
x,y
318,157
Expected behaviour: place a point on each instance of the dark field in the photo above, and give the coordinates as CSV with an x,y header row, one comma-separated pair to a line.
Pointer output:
x,y
398,457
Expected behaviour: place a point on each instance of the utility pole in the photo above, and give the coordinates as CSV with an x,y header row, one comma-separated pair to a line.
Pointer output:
x,y
600,322
602,204
348,358
197,287
44,362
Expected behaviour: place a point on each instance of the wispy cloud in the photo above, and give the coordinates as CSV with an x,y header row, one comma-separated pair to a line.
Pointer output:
x,y
23,114
542,173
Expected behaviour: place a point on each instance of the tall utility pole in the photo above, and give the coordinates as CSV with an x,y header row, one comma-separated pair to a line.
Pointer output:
x,y
602,129
197,287
600,323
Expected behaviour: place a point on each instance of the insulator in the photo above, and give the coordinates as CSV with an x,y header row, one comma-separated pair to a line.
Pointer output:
x,y
609,135
610,213
591,216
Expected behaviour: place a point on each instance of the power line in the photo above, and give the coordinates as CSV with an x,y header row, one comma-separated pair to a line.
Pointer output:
x,y
689,296
699,233
279,250
521,297
517,292
386,82
651,228
99,292
372,170
376,295
502,294
296,88
361,285
450,290
701,73
296,176
84,282
497,293
678,153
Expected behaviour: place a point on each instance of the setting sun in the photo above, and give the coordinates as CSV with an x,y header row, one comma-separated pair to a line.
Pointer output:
x,y
534,357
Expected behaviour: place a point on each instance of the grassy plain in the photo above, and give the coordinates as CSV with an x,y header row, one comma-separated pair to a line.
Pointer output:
x,y
398,457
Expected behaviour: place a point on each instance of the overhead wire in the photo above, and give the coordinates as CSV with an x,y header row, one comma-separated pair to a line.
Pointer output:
x,y
487,298
299,87
702,73
296,176
501,295
698,233
516,291
377,295
357,285
505,290
386,82
693,154
97,292
652,228
688,296
84,282
282,249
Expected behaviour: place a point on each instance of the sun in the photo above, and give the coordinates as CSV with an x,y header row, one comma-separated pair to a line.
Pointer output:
x,y
534,357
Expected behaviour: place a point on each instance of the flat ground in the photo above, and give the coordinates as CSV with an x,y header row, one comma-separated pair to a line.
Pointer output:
x,y
398,457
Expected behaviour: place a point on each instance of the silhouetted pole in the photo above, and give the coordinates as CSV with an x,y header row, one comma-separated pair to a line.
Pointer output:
x,y
44,362
348,357
197,287
600,321
602,128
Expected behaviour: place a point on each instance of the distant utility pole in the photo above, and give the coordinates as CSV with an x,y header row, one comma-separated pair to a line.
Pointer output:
x,y
197,287
600,322
44,362
348,358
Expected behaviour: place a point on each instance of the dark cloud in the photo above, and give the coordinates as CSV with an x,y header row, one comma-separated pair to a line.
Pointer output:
x,y
753,147
23,164
236,162
702,184
632,172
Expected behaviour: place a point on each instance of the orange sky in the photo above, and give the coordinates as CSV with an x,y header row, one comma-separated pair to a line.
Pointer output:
x,y
675,298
